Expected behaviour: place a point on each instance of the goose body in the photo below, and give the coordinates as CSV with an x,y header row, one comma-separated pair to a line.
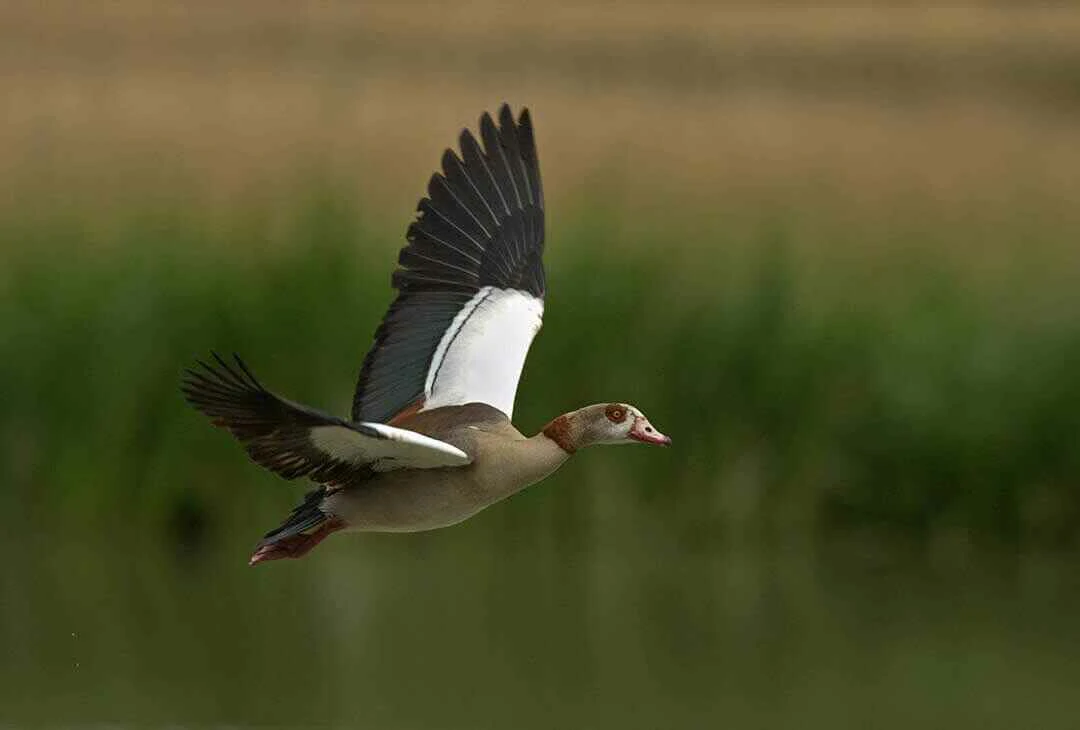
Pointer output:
x,y
430,441
502,462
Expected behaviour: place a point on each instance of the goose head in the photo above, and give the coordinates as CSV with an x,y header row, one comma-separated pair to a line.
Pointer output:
x,y
608,423
624,423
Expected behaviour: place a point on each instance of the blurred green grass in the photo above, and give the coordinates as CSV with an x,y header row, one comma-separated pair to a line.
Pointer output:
x,y
802,398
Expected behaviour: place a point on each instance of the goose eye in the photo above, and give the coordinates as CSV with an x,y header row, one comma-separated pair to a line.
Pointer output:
x,y
616,414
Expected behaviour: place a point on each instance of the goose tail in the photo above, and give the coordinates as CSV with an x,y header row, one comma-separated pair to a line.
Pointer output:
x,y
306,526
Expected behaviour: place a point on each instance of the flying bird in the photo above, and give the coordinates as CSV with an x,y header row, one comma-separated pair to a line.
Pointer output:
x,y
430,440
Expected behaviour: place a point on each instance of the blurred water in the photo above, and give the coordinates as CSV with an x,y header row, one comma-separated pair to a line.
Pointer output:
x,y
475,628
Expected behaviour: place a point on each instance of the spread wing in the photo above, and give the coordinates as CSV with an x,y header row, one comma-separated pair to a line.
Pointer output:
x,y
296,441
470,282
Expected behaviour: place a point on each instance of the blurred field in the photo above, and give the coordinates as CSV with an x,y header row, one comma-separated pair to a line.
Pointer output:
x,y
833,253
861,226
862,112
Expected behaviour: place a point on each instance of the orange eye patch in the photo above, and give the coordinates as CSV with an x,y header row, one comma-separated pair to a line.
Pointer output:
x,y
615,413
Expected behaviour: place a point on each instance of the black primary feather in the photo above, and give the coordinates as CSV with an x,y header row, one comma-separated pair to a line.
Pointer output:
x,y
275,432
481,224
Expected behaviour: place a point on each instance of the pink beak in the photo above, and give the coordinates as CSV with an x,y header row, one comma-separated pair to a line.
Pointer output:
x,y
644,432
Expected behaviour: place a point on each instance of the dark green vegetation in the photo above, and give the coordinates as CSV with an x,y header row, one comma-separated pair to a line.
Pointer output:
x,y
806,393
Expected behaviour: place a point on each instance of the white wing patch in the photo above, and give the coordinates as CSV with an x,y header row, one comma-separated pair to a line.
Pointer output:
x,y
394,448
480,357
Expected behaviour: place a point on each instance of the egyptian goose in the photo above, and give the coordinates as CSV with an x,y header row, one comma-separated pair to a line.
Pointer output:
x,y
430,442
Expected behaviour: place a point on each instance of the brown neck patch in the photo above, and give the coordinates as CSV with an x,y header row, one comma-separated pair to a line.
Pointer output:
x,y
561,433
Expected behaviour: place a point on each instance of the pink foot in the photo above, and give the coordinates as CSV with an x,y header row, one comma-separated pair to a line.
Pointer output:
x,y
296,546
